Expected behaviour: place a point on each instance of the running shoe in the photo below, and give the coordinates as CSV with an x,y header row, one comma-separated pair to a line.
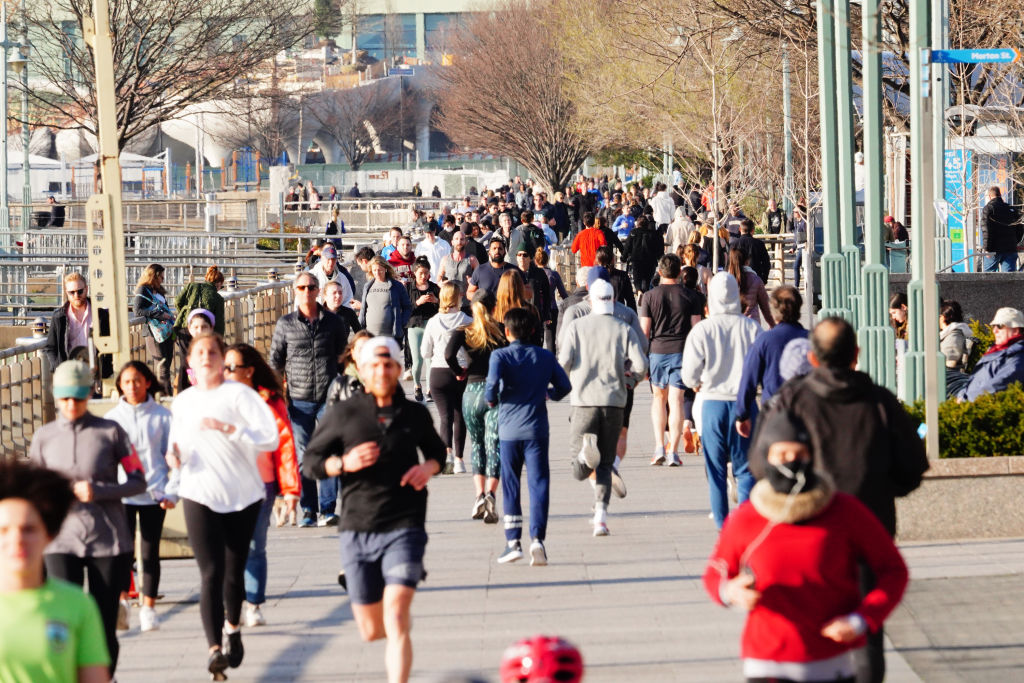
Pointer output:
x,y
254,616
233,650
216,665
123,610
512,553
538,556
478,508
600,529
308,520
618,485
329,519
589,455
460,466
148,620
418,394
343,582
490,509
407,375
674,461
659,458
689,441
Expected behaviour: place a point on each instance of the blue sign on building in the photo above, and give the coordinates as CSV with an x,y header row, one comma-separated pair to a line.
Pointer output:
x,y
959,184
977,55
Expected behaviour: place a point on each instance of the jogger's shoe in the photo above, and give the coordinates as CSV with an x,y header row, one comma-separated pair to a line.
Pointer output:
x,y
618,485
478,508
589,455
490,509
512,553
538,555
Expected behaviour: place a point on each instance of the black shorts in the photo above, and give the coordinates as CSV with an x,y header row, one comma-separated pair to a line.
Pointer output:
x,y
373,560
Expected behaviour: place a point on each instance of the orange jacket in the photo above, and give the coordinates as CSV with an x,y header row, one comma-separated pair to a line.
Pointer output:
x,y
281,465
586,243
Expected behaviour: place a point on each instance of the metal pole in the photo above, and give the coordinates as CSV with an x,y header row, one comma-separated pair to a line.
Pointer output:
x,y
875,335
940,83
5,209
787,133
922,366
26,195
847,194
833,266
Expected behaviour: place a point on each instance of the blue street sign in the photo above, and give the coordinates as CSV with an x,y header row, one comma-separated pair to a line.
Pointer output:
x,y
401,70
999,55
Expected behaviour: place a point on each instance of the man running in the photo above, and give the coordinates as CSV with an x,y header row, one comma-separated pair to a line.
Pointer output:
x,y
384,497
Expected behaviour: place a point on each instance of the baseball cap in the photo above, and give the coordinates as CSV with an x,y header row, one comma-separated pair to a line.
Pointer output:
x,y
597,273
199,311
602,297
328,252
1008,317
72,379
380,346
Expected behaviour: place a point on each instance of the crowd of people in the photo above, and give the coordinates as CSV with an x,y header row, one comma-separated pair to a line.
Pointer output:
x,y
483,327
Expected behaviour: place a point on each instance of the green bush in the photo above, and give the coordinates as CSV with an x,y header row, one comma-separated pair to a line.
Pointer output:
x,y
983,333
991,425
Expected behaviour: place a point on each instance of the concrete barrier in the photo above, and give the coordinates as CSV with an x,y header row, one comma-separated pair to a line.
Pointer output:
x,y
979,294
965,498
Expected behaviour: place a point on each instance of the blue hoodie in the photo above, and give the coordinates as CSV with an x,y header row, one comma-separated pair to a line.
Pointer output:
x,y
149,425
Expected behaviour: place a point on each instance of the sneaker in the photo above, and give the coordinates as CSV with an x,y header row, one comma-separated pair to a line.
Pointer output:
x,y
216,665
418,394
407,375
254,616
342,581
478,508
329,519
430,399
674,461
123,610
460,466
449,467
600,529
589,455
618,485
689,442
308,520
512,553
148,620
490,509
233,650
538,556
659,458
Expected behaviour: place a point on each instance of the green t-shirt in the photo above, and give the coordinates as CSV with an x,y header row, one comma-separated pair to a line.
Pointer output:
x,y
48,633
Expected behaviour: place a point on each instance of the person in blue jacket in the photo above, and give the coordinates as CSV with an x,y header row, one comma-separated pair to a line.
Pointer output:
x,y
1003,364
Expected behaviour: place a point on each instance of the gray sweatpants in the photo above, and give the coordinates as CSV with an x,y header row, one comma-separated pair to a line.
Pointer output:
x,y
606,423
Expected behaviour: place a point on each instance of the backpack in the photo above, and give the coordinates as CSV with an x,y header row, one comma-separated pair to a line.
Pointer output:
x,y
533,238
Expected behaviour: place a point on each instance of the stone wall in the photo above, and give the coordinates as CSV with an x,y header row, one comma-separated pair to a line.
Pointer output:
x,y
979,294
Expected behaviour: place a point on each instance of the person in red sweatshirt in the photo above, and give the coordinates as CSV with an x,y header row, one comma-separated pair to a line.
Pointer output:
x,y
588,240
791,556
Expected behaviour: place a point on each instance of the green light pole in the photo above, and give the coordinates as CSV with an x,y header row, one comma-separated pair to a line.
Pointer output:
x,y
847,192
875,335
5,209
26,199
940,85
834,290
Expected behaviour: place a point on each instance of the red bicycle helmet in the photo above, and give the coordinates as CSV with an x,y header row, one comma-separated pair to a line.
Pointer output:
x,y
542,659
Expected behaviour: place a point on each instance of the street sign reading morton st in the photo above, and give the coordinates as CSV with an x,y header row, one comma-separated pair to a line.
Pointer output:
x,y
999,55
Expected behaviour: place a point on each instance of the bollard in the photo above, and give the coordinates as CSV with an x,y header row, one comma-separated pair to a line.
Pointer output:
x,y
300,265
232,283
273,276
39,327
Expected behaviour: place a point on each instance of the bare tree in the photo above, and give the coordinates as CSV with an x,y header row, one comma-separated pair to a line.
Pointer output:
x,y
168,55
507,93
357,118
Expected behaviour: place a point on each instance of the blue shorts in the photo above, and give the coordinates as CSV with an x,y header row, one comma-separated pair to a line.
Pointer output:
x,y
374,559
665,369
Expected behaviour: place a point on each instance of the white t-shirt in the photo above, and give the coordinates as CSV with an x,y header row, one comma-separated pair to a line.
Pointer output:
x,y
219,470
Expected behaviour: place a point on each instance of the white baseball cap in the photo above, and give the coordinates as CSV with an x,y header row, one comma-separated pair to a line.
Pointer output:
x,y
602,297
1008,317
380,346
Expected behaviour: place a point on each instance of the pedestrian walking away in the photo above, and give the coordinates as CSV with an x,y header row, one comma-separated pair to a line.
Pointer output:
x,y
380,436
219,427
518,381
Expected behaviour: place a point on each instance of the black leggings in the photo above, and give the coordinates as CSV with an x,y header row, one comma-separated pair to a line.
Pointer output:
x,y
220,542
447,394
106,577
151,524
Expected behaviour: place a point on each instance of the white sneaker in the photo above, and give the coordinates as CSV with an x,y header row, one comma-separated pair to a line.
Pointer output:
x,y
674,461
123,611
538,556
600,529
254,616
589,455
618,485
407,375
460,466
148,620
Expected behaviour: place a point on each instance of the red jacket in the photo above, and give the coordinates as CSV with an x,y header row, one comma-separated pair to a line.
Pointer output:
x,y
402,265
281,465
807,575
586,243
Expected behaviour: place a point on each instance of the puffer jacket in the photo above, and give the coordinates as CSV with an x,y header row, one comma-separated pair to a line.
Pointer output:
x,y
344,387
996,370
715,348
200,295
307,353
281,465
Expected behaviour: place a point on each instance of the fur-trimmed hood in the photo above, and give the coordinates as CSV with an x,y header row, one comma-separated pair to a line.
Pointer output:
x,y
783,508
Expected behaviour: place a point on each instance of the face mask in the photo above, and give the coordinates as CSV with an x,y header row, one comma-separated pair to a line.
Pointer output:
x,y
786,478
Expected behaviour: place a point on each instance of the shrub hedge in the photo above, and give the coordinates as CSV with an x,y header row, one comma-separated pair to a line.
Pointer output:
x,y
991,425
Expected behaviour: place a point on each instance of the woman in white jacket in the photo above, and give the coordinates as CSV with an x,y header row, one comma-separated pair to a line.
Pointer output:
x,y
218,431
713,361
445,386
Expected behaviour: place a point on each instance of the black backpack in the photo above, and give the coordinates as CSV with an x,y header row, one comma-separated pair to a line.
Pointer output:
x,y
533,238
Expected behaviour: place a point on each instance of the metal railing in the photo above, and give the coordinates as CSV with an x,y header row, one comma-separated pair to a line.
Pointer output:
x,y
156,213
26,402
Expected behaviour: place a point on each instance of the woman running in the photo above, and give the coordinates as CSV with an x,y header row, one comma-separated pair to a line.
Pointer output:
x,y
148,425
446,387
425,296
218,430
94,540
279,468
477,340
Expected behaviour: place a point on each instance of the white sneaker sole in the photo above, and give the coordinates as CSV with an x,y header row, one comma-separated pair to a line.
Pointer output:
x,y
538,557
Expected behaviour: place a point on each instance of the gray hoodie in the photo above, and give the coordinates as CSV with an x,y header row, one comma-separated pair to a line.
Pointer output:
x,y
435,338
715,348
595,351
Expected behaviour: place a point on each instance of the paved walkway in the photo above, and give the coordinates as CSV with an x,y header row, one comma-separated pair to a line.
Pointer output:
x,y
633,601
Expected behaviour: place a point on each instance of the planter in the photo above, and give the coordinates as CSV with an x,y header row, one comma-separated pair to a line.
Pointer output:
x,y
965,498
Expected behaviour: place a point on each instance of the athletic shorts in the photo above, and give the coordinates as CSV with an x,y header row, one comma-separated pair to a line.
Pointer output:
x,y
665,370
373,560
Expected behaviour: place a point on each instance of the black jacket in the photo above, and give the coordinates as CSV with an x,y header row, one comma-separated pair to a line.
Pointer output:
x,y
860,435
373,499
307,353
565,304
623,287
57,350
757,253
643,249
998,222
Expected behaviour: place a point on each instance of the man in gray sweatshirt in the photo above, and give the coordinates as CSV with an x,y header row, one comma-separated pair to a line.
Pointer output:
x,y
602,355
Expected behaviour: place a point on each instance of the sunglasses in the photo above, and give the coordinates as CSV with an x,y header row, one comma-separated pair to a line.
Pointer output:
x,y
76,292
303,288
234,368
997,326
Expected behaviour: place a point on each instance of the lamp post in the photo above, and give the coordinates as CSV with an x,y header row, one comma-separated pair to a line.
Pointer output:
x,y
5,209
19,64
